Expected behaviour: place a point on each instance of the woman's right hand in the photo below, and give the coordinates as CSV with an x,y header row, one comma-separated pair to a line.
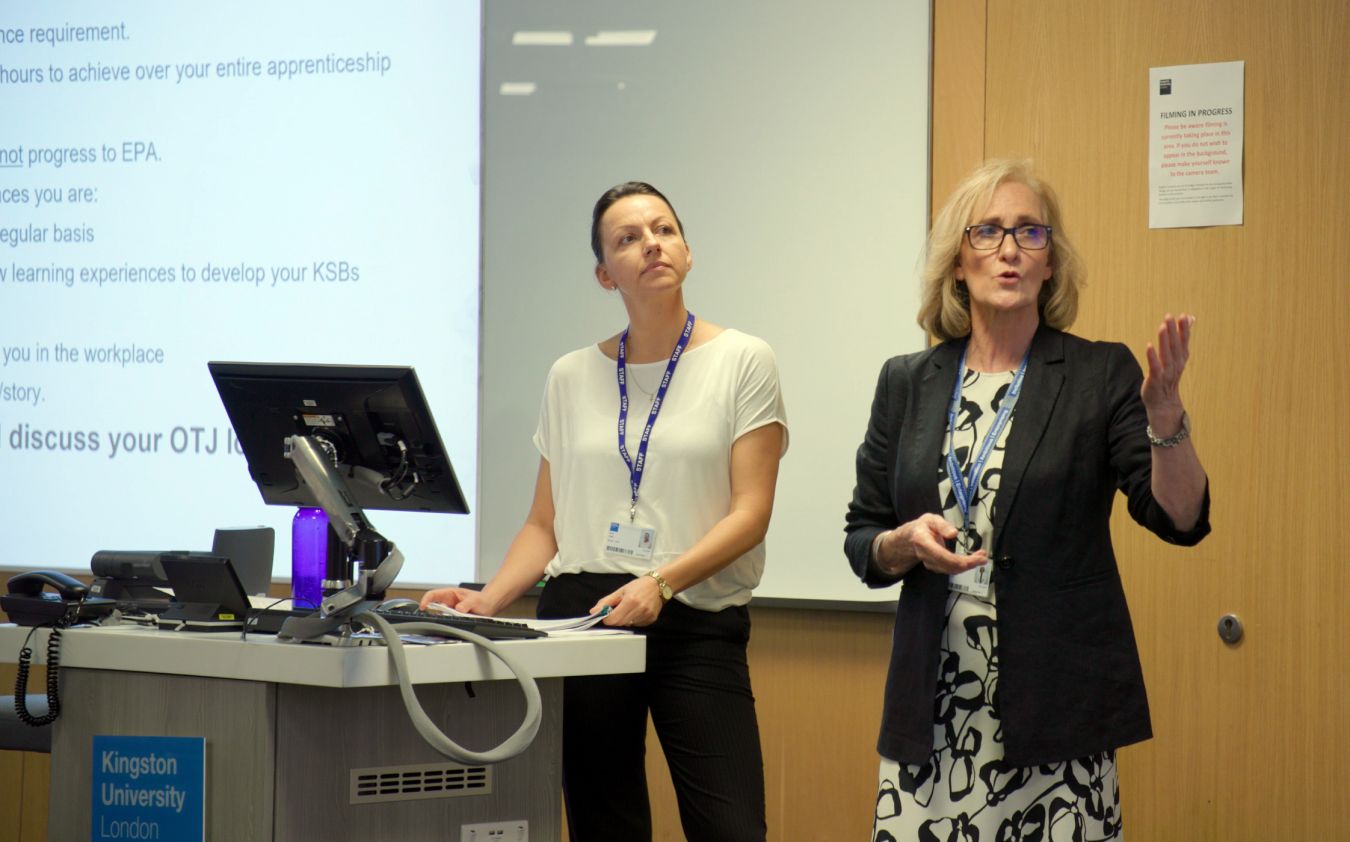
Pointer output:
x,y
466,600
924,541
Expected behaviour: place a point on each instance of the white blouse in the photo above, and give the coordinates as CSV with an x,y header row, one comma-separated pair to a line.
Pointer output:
x,y
720,391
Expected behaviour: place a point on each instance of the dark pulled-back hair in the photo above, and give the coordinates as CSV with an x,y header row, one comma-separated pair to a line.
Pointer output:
x,y
614,194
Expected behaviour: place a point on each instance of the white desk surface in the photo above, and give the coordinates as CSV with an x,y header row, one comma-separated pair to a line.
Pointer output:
x,y
263,658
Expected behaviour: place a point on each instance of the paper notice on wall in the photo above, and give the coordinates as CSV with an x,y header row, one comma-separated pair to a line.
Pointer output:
x,y
1195,145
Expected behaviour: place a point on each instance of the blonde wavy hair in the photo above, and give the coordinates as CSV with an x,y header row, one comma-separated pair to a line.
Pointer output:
x,y
944,309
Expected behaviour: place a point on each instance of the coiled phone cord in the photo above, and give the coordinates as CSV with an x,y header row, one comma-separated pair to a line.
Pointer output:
x,y
53,679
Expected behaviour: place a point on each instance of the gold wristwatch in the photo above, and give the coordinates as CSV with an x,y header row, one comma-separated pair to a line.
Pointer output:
x,y
666,592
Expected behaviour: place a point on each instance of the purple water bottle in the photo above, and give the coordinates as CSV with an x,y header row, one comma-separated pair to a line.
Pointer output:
x,y
309,555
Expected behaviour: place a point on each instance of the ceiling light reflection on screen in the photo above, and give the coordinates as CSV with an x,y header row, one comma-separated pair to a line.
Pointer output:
x,y
541,39
622,38
517,88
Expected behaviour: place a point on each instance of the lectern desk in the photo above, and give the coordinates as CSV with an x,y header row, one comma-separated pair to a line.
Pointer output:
x,y
286,723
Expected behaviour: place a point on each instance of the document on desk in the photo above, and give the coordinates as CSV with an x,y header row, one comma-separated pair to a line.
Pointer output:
x,y
374,638
589,623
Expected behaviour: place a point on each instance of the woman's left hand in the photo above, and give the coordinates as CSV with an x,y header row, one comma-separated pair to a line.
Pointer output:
x,y
637,603
1161,391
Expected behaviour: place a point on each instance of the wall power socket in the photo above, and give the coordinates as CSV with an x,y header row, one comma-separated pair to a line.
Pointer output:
x,y
512,831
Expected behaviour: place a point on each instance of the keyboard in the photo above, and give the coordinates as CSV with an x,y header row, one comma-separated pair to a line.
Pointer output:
x,y
487,627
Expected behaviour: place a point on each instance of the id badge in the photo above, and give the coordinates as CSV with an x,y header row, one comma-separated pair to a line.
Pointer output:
x,y
630,541
974,581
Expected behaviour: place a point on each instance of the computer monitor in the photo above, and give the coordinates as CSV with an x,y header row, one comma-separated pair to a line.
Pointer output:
x,y
344,438
372,422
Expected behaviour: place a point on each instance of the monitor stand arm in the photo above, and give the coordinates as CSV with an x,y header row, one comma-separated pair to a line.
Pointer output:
x,y
378,560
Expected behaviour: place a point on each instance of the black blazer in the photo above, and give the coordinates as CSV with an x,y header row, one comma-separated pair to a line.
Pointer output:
x,y
1070,684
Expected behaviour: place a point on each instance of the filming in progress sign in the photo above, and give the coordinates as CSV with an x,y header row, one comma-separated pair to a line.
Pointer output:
x,y
1195,145
148,788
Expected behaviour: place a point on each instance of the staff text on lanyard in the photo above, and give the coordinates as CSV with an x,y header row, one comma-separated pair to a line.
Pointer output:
x,y
964,487
636,467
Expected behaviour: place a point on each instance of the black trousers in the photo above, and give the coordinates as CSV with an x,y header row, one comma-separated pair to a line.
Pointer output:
x,y
697,690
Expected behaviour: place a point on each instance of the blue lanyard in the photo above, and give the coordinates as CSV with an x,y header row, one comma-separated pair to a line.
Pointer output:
x,y
964,488
635,469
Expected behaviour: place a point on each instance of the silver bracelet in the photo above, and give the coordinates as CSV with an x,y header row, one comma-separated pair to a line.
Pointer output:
x,y
1176,438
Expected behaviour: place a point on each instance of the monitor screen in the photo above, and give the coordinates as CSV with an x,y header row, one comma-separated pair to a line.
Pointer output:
x,y
300,216
372,422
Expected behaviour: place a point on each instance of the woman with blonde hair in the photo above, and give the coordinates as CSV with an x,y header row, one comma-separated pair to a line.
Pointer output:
x,y
985,484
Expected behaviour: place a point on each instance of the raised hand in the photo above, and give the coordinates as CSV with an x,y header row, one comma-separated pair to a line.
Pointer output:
x,y
1167,358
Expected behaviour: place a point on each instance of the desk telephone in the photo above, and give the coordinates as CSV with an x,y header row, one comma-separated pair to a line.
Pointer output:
x,y
27,604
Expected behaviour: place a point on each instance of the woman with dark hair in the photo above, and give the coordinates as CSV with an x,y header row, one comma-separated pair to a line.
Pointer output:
x,y
985,486
664,525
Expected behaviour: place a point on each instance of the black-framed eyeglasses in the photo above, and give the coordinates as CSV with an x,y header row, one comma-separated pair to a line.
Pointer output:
x,y
987,236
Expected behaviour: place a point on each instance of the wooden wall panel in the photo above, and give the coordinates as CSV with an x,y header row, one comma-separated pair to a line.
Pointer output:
x,y
958,100
11,795
37,775
24,775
